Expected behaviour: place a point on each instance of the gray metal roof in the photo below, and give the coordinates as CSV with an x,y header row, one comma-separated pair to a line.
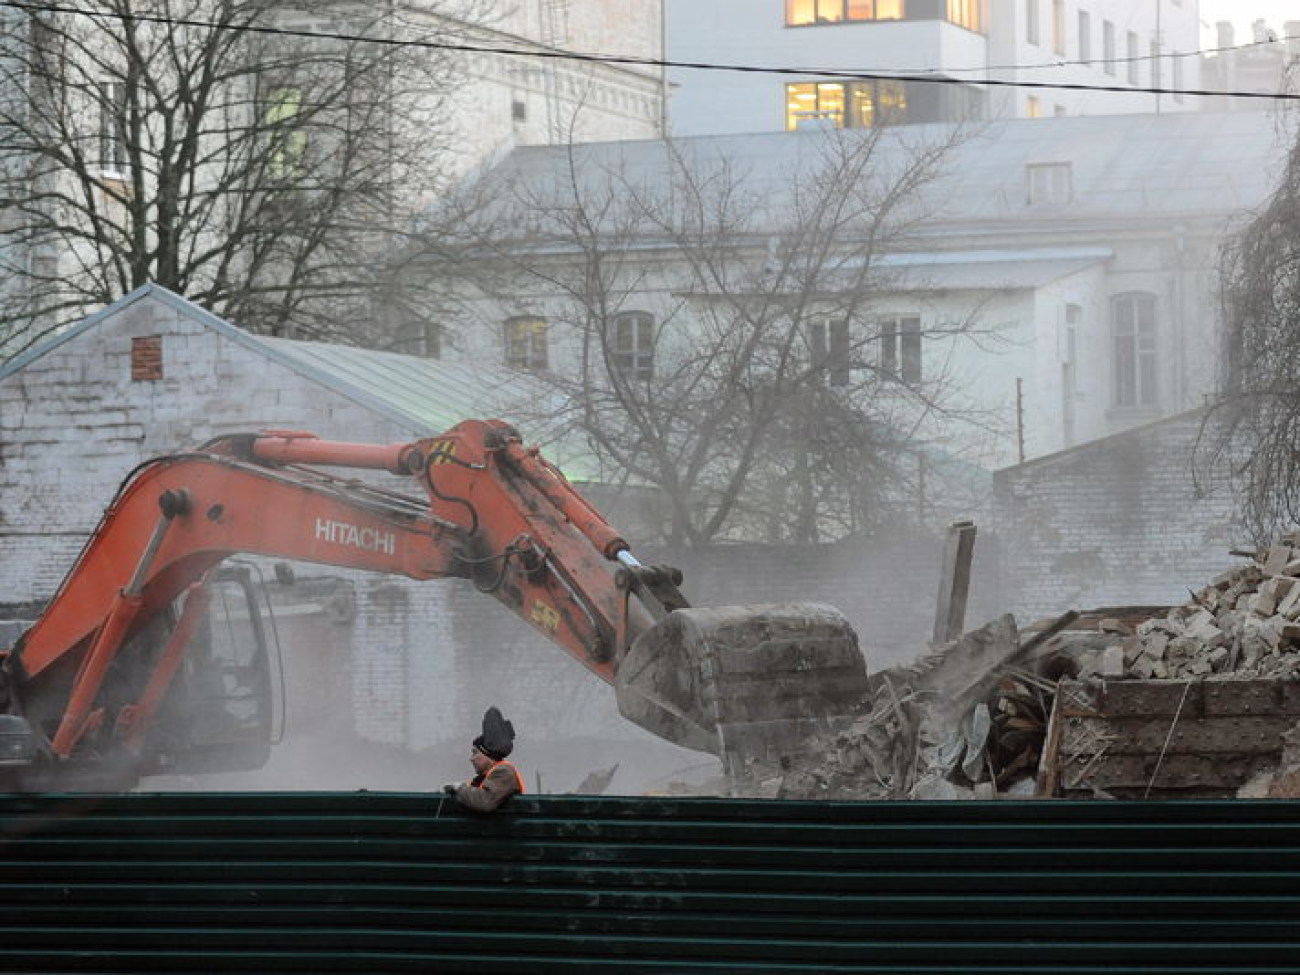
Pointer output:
x,y
433,395
1126,166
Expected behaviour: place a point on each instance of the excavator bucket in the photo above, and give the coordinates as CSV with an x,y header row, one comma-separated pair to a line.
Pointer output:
x,y
743,681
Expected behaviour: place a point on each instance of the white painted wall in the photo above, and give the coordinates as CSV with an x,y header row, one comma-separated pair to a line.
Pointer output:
x,y
753,33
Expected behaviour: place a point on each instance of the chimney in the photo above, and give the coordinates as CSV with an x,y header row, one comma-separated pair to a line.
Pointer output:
x,y
1291,31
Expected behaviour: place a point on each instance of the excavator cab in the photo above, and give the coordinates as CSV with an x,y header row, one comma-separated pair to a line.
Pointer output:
x,y
216,713
219,714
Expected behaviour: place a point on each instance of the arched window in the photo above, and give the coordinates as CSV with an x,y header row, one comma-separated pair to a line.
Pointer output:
x,y
632,346
1134,349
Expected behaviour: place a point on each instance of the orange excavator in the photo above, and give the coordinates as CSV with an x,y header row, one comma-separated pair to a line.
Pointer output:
x,y
129,670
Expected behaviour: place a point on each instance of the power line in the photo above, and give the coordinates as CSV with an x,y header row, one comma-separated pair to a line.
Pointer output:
x,y
627,60
1137,59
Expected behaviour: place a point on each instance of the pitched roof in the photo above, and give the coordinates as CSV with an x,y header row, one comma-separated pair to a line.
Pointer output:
x,y
426,396
1124,166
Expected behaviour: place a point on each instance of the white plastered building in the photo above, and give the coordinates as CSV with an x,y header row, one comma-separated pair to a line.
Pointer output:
x,y
947,46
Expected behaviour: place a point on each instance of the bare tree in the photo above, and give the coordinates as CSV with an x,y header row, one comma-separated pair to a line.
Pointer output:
x,y
246,154
1254,429
724,338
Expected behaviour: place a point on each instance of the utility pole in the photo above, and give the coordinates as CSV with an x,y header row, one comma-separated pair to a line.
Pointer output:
x,y
1156,72
1020,419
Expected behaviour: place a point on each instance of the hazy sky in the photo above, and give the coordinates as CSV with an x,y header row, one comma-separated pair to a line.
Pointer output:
x,y
1243,13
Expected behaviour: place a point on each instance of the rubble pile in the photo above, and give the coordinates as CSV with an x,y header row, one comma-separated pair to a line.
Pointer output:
x,y
953,720
971,719
1244,624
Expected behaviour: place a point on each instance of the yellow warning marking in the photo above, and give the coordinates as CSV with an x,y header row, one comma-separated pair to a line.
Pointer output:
x,y
545,616
443,451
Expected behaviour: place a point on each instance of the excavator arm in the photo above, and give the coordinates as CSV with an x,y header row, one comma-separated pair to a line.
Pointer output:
x,y
493,511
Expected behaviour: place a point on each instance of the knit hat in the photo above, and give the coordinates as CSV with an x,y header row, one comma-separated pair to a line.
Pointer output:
x,y
498,738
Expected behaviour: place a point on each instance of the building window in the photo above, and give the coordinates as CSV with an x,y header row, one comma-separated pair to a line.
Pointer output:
x,y
634,344
112,128
851,105
1132,58
799,13
1048,184
829,349
1108,46
900,347
1178,76
1058,26
1085,36
1033,107
420,338
525,339
1032,30
967,13
1133,337
1156,75
286,140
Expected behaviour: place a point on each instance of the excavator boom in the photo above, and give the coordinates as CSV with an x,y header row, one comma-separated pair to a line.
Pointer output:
x,y
93,673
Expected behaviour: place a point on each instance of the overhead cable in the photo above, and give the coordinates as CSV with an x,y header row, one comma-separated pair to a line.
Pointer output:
x,y
641,62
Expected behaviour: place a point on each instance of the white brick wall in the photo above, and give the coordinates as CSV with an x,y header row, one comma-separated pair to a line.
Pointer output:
x,y
1119,521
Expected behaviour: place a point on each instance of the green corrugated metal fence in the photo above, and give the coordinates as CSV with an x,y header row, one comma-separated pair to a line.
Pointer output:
x,y
375,883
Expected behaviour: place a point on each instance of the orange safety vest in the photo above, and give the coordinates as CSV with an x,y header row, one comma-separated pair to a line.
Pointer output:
x,y
519,779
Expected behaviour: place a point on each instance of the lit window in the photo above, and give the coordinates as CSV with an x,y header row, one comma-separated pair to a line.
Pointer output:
x,y
1058,26
525,338
1031,21
802,12
634,344
967,13
853,105
829,349
287,142
1133,336
1033,107
900,347
1048,184
1108,46
112,132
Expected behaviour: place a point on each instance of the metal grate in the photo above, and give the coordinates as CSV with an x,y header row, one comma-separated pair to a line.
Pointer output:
x,y
364,882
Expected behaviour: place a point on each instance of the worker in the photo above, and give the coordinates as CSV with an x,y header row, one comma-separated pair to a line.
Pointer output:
x,y
495,780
